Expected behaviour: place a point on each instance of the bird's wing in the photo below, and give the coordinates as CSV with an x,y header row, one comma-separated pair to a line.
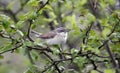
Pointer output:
x,y
47,35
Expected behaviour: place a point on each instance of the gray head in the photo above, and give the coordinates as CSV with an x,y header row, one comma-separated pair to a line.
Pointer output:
x,y
61,29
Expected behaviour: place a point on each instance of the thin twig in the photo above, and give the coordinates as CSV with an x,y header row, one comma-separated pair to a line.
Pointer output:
x,y
29,56
93,63
40,48
31,21
114,27
87,33
55,64
28,33
103,44
42,6
47,68
112,58
16,46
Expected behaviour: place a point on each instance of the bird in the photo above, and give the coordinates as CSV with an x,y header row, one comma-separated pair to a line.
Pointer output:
x,y
57,37
54,37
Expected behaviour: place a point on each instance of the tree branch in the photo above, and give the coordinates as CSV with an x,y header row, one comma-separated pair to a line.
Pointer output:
x,y
29,56
14,48
87,34
42,6
114,27
112,58
53,63
29,30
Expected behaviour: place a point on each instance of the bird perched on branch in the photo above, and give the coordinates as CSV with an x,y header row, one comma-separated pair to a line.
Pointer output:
x,y
55,37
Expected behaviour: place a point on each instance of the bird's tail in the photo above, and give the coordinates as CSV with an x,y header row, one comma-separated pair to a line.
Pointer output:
x,y
36,33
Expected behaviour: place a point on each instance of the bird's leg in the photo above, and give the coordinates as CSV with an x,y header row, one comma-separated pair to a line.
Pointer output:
x,y
48,48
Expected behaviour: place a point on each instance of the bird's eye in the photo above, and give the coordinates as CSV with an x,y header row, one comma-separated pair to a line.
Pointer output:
x,y
61,30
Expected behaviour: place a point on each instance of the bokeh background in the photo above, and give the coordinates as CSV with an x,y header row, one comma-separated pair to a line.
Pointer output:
x,y
91,22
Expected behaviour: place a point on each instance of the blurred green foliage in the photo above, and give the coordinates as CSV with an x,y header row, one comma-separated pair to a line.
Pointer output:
x,y
77,15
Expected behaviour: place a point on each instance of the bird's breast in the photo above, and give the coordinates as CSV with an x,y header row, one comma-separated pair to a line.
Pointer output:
x,y
60,38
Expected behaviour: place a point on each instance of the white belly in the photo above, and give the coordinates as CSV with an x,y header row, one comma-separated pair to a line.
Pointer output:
x,y
58,39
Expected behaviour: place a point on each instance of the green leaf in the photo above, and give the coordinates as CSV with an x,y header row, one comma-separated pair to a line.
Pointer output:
x,y
33,69
1,56
6,21
106,31
74,52
73,21
35,55
52,14
27,43
80,61
20,32
28,71
109,71
55,50
20,24
94,71
104,21
49,7
91,17
7,47
11,4
82,2
28,15
88,47
33,3
103,5
1,28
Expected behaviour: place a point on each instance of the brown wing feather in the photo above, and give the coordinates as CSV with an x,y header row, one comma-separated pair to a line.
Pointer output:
x,y
47,35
